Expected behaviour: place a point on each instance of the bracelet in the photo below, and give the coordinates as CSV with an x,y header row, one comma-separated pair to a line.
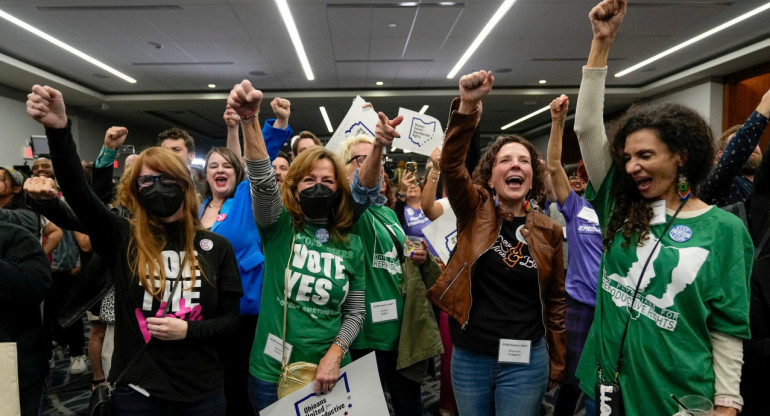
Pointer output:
x,y
435,175
342,345
400,195
249,116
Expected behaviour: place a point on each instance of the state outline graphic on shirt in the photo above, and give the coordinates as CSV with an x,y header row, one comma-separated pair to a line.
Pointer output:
x,y
621,288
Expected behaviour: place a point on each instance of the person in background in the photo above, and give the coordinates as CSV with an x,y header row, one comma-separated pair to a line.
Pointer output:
x,y
65,266
281,165
504,286
409,210
304,140
578,177
731,179
673,304
25,278
389,272
314,221
162,245
387,191
585,251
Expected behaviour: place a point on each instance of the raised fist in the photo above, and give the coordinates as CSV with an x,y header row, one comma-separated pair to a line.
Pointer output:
x,y
114,137
41,188
244,99
46,106
473,87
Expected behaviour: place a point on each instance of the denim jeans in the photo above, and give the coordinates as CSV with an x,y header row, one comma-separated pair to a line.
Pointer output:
x,y
405,394
485,387
128,402
261,393
590,406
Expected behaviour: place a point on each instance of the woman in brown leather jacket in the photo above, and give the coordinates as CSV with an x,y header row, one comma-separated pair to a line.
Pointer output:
x,y
504,287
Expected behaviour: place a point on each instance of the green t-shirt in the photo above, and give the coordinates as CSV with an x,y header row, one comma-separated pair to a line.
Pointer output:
x,y
696,282
384,302
321,275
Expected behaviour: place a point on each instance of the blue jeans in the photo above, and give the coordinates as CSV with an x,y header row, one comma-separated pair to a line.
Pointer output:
x,y
485,387
405,394
261,393
128,402
590,407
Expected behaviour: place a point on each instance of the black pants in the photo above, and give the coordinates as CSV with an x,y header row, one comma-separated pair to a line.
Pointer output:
x,y
73,335
31,397
234,352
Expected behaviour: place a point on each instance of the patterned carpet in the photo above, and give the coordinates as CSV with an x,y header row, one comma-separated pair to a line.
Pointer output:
x,y
68,395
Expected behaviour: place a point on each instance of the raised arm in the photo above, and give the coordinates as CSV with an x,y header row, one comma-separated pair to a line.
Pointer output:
x,y
606,19
46,106
716,188
464,117
233,122
430,207
101,176
559,109
265,197
276,132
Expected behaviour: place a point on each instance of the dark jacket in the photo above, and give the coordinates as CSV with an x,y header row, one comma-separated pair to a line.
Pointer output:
x,y
478,226
25,278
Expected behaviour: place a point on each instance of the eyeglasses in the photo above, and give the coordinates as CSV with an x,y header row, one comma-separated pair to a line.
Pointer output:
x,y
144,181
361,158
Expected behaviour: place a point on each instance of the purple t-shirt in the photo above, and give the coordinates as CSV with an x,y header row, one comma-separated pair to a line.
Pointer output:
x,y
415,222
585,248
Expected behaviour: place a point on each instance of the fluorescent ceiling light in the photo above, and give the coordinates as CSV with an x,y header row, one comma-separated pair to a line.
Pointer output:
x,y
326,119
527,117
66,47
379,83
212,86
700,37
424,109
288,20
542,81
480,38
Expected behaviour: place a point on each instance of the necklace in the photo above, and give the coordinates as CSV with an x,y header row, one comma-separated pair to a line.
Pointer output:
x,y
212,204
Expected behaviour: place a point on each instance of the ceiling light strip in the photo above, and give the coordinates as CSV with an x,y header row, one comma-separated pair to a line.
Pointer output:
x,y
326,119
288,20
700,37
424,109
527,117
66,47
482,35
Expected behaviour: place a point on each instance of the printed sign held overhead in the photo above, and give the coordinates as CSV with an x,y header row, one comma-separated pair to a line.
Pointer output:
x,y
420,133
358,121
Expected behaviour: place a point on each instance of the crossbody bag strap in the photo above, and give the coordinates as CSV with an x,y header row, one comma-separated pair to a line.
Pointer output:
x,y
286,303
144,347
619,364
762,244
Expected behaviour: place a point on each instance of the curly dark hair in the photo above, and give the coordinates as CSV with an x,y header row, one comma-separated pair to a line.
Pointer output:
x,y
684,132
483,171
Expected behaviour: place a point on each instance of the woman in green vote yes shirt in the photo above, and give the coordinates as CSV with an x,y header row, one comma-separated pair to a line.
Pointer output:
x,y
305,225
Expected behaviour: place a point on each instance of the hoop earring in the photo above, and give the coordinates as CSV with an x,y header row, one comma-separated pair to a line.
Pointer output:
x,y
683,187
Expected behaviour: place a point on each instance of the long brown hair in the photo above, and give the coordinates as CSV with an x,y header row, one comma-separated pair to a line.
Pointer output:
x,y
342,221
148,236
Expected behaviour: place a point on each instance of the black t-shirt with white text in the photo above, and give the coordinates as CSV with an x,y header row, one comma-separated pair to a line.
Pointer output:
x,y
505,295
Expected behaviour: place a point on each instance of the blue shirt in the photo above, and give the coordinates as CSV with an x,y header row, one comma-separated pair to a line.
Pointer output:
x,y
585,248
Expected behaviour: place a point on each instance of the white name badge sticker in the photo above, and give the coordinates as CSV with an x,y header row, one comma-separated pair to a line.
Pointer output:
x,y
384,311
658,212
273,348
514,351
589,215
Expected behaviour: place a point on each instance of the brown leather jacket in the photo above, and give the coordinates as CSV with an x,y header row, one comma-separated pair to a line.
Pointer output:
x,y
478,225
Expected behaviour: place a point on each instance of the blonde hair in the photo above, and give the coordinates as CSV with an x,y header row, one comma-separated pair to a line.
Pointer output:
x,y
148,236
342,220
345,151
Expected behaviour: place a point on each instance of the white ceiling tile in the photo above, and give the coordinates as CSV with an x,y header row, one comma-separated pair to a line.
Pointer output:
x,y
386,48
241,52
349,22
346,49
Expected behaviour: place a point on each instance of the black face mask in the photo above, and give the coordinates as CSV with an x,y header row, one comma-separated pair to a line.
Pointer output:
x,y
317,202
160,199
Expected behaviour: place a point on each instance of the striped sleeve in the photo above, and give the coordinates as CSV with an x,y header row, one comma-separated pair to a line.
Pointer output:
x,y
265,197
353,314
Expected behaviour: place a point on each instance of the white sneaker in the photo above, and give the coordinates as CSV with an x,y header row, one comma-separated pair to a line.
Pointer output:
x,y
78,365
